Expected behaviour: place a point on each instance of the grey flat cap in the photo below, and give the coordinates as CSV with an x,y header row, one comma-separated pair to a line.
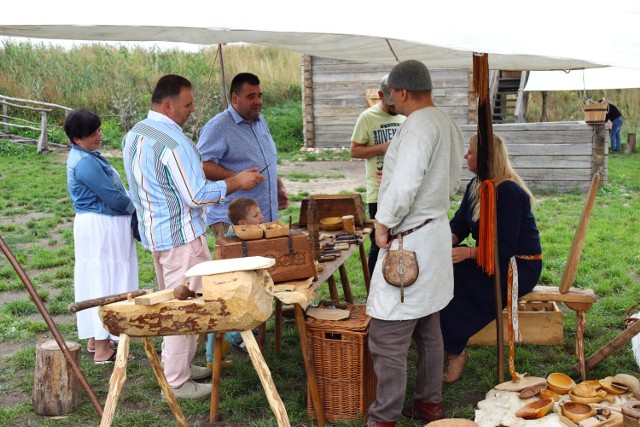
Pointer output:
x,y
386,90
411,75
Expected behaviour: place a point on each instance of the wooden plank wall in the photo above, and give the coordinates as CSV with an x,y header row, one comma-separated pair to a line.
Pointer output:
x,y
557,156
336,96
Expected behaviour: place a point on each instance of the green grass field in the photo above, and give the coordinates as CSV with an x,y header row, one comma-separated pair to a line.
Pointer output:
x,y
36,222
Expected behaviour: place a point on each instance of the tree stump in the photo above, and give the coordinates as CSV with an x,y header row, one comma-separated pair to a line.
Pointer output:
x,y
56,390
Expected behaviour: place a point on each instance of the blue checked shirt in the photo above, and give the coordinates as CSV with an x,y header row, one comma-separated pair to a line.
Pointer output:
x,y
167,183
232,143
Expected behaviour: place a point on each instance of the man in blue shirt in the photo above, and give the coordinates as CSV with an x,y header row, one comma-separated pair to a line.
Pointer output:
x,y
170,194
238,139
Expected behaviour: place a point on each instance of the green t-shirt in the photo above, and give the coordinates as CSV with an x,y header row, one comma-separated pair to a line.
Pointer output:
x,y
375,126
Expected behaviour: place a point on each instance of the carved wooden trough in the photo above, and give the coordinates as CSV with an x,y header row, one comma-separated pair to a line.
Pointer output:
x,y
232,300
236,295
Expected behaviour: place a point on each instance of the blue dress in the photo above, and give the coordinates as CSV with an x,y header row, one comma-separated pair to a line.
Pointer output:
x,y
473,306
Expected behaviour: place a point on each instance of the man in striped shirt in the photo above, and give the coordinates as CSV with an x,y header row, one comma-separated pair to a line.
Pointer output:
x,y
170,192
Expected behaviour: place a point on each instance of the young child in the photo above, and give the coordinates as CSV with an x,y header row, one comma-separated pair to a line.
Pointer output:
x,y
241,211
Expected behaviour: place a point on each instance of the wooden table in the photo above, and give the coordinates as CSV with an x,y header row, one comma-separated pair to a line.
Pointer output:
x,y
326,274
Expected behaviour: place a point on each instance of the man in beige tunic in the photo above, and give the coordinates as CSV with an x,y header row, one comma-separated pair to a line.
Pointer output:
x,y
421,170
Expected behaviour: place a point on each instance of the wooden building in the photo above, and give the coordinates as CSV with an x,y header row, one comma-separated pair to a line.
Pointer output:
x,y
549,156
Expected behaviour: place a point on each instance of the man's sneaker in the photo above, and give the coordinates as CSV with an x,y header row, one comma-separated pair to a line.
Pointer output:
x,y
191,390
199,372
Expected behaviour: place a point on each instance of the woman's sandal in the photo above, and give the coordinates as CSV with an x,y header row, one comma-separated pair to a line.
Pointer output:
x,y
112,344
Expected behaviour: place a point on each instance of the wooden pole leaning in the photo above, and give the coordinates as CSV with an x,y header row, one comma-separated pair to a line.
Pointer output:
x,y
52,326
624,337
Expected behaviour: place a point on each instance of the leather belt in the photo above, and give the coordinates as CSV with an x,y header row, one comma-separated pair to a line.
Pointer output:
x,y
411,230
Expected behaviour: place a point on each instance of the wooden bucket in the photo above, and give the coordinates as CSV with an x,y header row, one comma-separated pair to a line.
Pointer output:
x,y
595,113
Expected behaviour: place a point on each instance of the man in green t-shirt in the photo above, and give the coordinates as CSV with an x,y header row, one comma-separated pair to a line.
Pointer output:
x,y
371,137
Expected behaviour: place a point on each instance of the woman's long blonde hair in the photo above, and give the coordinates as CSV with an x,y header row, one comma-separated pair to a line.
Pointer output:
x,y
501,170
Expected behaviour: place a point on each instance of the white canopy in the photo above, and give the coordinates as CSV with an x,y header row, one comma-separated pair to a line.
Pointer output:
x,y
591,79
541,35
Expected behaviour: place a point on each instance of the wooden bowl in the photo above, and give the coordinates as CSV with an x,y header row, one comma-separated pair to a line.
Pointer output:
x,y
611,388
577,411
247,232
560,383
331,223
588,389
545,393
535,410
274,229
588,399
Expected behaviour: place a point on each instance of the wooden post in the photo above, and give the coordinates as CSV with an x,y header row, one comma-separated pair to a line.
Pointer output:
x,y
307,102
313,226
631,142
598,152
56,390
5,113
43,142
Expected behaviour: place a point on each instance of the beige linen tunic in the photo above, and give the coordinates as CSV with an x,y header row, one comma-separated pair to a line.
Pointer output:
x,y
421,170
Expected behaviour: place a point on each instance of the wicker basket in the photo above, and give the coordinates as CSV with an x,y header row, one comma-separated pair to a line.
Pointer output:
x,y
343,366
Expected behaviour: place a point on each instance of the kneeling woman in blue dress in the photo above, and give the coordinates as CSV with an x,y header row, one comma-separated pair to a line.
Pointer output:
x,y
473,303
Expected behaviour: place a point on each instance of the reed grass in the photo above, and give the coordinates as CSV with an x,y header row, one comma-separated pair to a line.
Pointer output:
x,y
118,81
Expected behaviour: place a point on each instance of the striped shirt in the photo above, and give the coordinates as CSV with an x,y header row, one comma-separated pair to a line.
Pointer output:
x,y
167,183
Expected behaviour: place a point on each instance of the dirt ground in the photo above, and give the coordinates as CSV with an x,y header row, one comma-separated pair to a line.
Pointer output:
x,y
331,171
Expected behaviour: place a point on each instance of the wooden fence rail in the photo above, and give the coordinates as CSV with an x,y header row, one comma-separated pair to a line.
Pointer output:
x,y
45,108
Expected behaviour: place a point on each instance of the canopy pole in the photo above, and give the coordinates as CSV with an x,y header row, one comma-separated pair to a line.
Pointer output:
x,y
485,163
225,95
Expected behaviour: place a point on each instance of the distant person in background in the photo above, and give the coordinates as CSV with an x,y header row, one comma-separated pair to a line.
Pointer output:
x,y
614,122
371,137
104,247
237,139
472,306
